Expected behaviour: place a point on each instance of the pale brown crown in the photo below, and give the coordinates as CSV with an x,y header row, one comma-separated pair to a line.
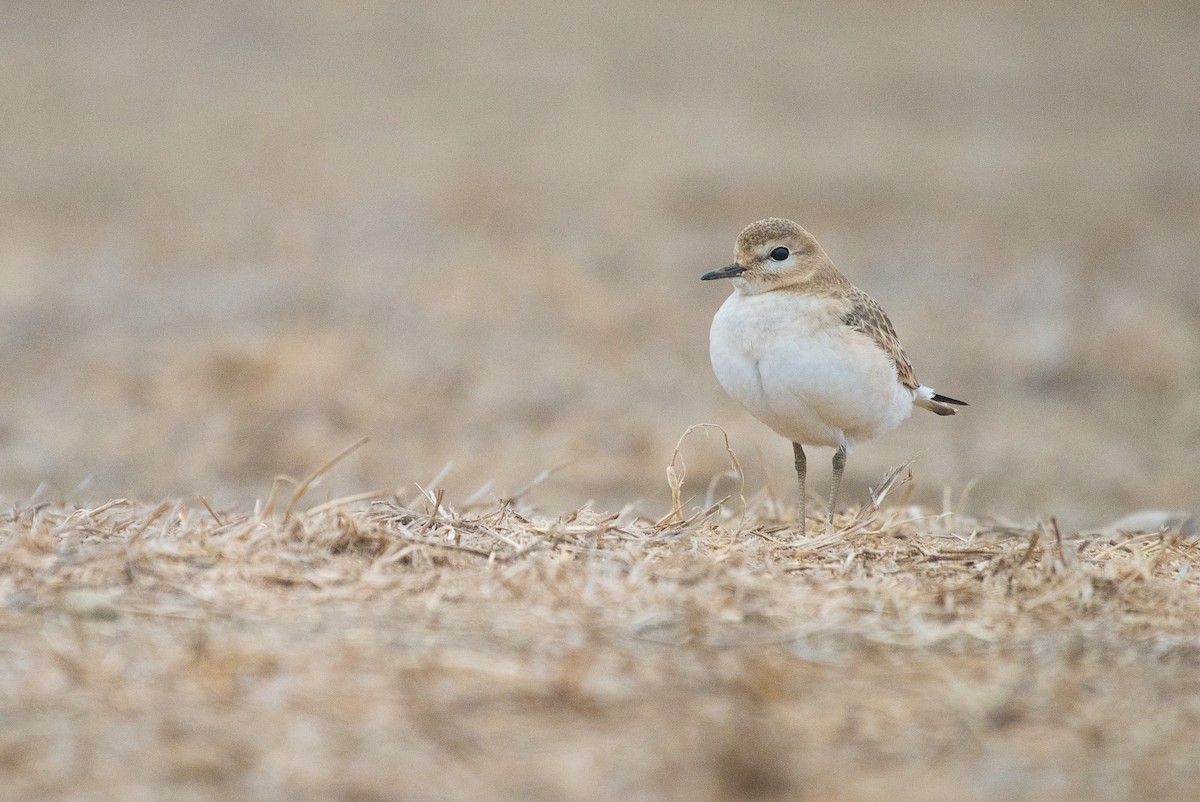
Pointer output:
x,y
808,268
760,238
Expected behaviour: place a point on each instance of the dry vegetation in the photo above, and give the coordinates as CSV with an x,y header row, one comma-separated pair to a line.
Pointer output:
x,y
236,236
396,649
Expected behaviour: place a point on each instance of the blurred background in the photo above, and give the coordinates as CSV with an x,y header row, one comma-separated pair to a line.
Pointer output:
x,y
235,237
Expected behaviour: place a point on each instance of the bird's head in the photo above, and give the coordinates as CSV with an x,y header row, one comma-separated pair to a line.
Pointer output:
x,y
770,254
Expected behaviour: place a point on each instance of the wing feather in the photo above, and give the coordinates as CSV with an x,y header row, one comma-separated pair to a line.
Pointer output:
x,y
869,318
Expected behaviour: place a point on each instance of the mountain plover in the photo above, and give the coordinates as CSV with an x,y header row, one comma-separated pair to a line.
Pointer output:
x,y
807,352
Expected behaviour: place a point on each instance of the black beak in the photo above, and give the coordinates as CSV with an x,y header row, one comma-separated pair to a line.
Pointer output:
x,y
725,272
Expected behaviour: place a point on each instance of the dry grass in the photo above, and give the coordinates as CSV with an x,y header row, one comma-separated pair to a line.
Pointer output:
x,y
379,649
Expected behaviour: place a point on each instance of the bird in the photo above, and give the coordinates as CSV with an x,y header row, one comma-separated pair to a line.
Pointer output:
x,y
808,353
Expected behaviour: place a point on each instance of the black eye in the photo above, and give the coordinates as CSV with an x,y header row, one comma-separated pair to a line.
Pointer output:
x,y
779,254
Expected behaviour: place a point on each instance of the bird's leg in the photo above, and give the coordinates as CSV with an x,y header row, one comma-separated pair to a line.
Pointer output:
x,y
801,470
839,465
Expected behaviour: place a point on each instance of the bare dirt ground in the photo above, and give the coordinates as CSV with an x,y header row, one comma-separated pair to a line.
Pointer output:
x,y
235,238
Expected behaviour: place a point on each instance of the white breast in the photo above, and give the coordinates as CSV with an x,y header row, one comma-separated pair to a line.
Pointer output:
x,y
795,366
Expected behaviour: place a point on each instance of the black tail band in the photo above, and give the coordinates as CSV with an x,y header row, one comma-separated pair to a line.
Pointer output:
x,y
945,399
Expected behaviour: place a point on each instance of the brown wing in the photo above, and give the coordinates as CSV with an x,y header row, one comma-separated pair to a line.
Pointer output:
x,y
866,316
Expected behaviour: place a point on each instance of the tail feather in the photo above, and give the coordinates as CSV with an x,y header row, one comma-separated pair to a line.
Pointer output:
x,y
938,404
945,399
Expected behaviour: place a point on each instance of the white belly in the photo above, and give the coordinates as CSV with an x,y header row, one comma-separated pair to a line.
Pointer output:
x,y
797,368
